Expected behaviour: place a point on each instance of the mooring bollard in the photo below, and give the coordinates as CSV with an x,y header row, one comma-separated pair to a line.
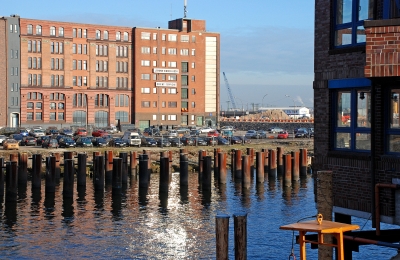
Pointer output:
x,y
68,187
164,174
1,177
124,157
14,158
246,180
133,162
272,169
58,169
295,166
303,162
11,181
206,182
143,171
98,175
117,174
68,155
22,169
221,235
108,165
81,173
240,232
36,171
287,170
183,169
50,185
170,155
279,155
260,158
216,167
222,167
238,165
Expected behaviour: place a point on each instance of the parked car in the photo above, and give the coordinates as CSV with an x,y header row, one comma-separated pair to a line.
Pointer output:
x,y
66,131
251,134
10,144
188,140
17,137
50,143
211,141
302,133
66,142
227,127
227,133
311,132
261,134
214,133
301,128
176,142
222,141
164,141
172,133
52,130
37,133
28,141
81,132
244,139
99,142
41,139
206,130
112,129
2,138
275,130
149,142
84,142
23,132
195,132
99,133
118,142
200,141
283,135
236,140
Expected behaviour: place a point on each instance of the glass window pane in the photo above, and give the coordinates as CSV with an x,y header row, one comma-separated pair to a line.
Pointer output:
x,y
363,141
394,143
363,109
342,140
394,109
344,11
365,10
361,34
343,109
343,37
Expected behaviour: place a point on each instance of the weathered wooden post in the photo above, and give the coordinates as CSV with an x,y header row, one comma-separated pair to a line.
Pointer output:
x,y
303,162
260,158
183,169
295,166
287,170
222,167
14,158
68,155
68,187
12,180
164,174
143,171
170,155
238,165
36,171
98,174
266,155
206,182
81,173
1,177
108,165
240,231
246,180
124,157
272,168
222,236
117,174
22,169
50,185
279,152
58,169
133,162
232,159
148,153
216,167
250,153
200,163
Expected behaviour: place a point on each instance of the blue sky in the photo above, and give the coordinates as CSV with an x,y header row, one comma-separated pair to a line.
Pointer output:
x,y
266,45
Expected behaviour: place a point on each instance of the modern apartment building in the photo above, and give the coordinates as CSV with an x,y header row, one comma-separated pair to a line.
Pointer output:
x,y
62,73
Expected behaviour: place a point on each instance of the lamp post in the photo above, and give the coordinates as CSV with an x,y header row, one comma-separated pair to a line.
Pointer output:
x,y
294,104
262,103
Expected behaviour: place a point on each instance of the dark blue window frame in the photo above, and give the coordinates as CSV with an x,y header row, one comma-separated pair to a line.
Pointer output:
x,y
391,9
353,86
389,131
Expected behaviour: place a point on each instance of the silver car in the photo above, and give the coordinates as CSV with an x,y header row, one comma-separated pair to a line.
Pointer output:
x,y
2,138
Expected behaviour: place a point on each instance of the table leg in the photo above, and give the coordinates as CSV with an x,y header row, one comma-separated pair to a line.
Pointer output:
x,y
302,243
339,239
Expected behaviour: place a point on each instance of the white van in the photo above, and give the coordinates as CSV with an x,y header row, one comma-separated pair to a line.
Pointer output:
x,y
133,138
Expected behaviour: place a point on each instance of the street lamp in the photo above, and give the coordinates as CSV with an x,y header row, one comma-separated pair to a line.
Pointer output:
x,y
294,103
262,103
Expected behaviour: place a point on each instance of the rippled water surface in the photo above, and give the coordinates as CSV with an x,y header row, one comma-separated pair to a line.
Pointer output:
x,y
142,224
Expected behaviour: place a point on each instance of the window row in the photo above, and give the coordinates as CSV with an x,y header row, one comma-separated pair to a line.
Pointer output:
x,y
102,82
101,100
101,50
34,46
79,81
183,52
39,105
57,96
166,117
57,47
57,64
57,80
34,96
54,105
14,87
121,67
38,31
171,37
79,48
79,65
13,28
34,79
122,51
14,71
14,54
102,65
14,101
38,116
121,82
60,116
122,100
34,63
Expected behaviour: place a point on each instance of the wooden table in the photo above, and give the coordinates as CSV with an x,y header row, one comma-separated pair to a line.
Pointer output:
x,y
326,227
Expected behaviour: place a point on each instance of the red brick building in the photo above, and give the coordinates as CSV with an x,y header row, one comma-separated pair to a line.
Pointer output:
x,y
356,103
85,74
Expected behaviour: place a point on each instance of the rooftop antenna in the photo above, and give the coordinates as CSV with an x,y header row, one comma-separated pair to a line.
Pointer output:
x,y
184,9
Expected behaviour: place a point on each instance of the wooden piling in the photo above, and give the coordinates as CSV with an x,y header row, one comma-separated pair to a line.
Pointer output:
x,y
200,163
240,233
260,158
68,185
246,180
2,167
124,169
36,171
183,169
279,157
133,162
143,171
272,168
68,155
238,165
221,235
206,182
99,173
287,170
12,181
266,155
216,167
22,169
303,162
81,173
222,167
58,169
50,184
108,165
295,166
117,174
164,174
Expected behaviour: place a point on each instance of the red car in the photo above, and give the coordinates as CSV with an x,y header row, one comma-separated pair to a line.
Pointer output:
x,y
81,132
99,133
283,135
213,133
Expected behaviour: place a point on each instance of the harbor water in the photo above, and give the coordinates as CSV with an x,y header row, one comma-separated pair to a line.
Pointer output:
x,y
146,224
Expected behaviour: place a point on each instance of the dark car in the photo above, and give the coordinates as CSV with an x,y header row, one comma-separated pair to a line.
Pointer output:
x,y
301,133
222,141
84,142
211,140
66,131
187,140
50,143
99,142
151,132
244,139
66,142
28,141
200,141
23,132
176,141
17,137
42,139
300,129
165,142
195,132
236,140
52,131
261,134
149,142
119,142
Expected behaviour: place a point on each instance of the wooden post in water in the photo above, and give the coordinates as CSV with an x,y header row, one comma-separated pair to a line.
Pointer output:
x,y
117,175
233,151
266,155
216,166
1,178
22,169
287,170
183,170
68,155
50,186
133,162
124,169
222,236
12,180
206,182
36,171
246,180
279,152
260,167
143,171
170,155
200,163
272,168
68,187
238,165
58,169
14,158
295,166
98,175
164,174
81,173
240,231
303,162
222,167
109,157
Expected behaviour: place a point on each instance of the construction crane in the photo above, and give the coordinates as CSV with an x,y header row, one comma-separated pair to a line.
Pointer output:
x,y
230,92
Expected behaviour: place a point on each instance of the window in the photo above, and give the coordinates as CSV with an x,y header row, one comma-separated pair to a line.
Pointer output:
x,y
184,93
193,52
172,37
184,68
154,50
163,50
98,34
29,105
185,52
105,35
172,104
193,78
29,116
172,91
74,48
74,32
172,77
52,115
154,36
163,37
145,36
38,30
145,76
39,105
393,126
154,103
172,64
145,103
85,33
145,91
172,117
79,33
61,116
193,65
122,116
172,51
118,36
184,80
155,65
193,91
38,115
348,21
52,31
146,50
11,28
126,36
145,63
29,29
352,119
193,38
184,38
61,32
193,104
101,100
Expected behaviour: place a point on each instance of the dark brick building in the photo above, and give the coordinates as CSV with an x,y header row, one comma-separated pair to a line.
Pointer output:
x,y
356,99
